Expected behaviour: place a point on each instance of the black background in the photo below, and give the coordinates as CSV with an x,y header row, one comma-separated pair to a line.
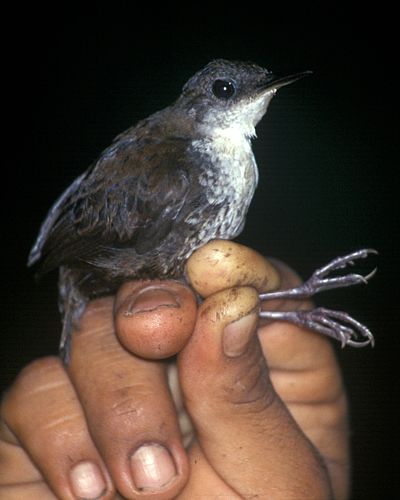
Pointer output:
x,y
327,154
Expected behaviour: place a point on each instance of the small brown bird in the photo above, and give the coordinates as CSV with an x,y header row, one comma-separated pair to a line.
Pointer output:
x,y
178,179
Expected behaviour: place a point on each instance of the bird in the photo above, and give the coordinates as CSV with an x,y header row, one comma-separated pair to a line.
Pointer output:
x,y
177,179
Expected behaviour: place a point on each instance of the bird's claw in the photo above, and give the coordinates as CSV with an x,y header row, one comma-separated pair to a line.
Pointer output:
x,y
336,324
318,281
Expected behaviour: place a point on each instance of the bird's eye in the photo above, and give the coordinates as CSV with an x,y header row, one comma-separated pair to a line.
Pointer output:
x,y
223,89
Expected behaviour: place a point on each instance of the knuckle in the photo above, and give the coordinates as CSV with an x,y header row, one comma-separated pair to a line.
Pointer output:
x,y
126,409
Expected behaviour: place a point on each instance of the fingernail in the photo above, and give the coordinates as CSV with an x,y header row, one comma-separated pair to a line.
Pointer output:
x,y
87,481
152,467
148,299
237,335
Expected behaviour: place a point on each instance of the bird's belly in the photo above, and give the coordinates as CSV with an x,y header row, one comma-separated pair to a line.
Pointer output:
x,y
168,259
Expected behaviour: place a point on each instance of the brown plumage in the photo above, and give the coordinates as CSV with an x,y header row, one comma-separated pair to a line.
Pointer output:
x,y
179,178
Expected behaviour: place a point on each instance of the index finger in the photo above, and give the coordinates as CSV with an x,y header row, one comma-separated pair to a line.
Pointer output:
x,y
222,264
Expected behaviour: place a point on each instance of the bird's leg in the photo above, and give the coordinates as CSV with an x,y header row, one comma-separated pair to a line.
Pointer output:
x,y
72,304
71,321
336,324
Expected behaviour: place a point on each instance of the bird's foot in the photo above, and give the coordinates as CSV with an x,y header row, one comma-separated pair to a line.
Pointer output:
x,y
319,280
336,324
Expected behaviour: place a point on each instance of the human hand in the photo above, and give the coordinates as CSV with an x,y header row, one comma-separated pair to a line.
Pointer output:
x,y
268,412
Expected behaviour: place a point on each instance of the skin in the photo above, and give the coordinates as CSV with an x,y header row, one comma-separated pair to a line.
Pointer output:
x,y
268,412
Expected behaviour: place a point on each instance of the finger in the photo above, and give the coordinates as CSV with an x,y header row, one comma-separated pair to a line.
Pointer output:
x,y
243,428
154,319
222,264
127,402
45,442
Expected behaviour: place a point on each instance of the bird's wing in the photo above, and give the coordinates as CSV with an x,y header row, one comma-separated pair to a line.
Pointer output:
x,y
130,197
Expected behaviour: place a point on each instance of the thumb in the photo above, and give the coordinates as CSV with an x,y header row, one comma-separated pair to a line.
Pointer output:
x,y
244,430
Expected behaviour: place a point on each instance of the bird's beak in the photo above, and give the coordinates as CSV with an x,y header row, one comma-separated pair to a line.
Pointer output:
x,y
274,82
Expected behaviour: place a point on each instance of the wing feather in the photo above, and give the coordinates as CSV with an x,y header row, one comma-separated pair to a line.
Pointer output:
x,y
129,197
